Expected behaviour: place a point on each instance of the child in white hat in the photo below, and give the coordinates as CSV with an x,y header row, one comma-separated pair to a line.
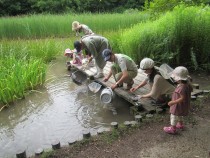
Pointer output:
x,y
180,103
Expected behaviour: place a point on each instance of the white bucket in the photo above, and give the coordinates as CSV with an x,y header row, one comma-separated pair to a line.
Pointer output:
x,y
107,95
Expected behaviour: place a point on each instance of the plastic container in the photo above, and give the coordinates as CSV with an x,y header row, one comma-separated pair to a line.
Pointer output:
x,y
107,95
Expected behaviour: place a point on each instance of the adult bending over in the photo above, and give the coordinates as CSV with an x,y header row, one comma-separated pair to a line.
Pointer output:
x,y
123,69
159,85
95,45
81,28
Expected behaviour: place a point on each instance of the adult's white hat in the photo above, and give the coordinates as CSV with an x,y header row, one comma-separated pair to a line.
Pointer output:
x,y
147,63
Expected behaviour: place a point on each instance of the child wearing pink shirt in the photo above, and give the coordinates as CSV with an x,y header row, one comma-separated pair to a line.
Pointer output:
x,y
180,103
76,57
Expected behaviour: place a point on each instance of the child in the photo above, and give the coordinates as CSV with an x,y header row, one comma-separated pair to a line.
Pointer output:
x,y
76,57
180,103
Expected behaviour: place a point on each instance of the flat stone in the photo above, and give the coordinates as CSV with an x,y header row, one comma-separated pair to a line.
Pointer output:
x,y
21,154
149,115
39,152
114,125
71,142
138,118
133,123
56,145
127,123
200,96
206,91
193,97
86,134
195,85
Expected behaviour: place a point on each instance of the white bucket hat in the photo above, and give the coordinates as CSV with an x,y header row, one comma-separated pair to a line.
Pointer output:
x,y
75,25
180,73
147,63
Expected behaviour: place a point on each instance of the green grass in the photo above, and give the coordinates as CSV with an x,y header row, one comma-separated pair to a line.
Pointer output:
x,y
172,38
42,26
23,65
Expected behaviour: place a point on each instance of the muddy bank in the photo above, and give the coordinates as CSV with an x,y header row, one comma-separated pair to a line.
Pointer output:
x,y
149,140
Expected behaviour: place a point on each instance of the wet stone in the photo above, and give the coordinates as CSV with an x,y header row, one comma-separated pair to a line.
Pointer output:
x,y
138,118
114,125
127,123
100,131
195,85
133,123
107,129
21,154
56,145
71,142
86,134
39,152
200,96
149,115
206,91
193,97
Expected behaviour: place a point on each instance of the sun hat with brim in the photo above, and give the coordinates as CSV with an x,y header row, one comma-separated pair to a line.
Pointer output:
x,y
106,54
147,63
67,52
78,46
75,25
180,73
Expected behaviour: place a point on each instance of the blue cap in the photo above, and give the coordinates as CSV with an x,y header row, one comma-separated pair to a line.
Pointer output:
x,y
77,46
106,54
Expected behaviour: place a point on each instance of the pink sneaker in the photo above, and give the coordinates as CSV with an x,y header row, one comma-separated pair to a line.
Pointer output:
x,y
170,130
180,126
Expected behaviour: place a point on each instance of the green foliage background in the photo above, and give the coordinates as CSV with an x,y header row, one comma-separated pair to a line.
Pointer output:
x,y
173,38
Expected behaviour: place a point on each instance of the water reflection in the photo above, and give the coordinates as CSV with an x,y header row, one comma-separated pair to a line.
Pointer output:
x,y
59,111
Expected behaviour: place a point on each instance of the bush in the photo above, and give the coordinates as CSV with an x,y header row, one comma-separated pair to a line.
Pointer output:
x,y
172,38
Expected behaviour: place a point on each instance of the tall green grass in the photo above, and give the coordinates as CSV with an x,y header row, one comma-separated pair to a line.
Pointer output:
x,y
45,49
42,26
23,65
17,76
172,38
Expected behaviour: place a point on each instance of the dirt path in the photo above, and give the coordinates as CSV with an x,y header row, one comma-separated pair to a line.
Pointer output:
x,y
149,141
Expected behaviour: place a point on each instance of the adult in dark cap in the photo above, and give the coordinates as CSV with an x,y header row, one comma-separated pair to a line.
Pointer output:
x,y
94,44
123,69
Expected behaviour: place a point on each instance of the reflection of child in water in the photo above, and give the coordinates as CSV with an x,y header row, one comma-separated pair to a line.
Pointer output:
x,y
76,57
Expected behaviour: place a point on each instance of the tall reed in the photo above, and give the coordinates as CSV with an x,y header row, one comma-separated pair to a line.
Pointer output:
x,y
42,26
17,76
23,65
172,37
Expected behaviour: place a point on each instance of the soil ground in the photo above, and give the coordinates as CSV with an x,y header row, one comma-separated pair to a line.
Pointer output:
x,y
149,140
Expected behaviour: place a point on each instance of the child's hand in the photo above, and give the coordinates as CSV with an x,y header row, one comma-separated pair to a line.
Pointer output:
x,y
170,103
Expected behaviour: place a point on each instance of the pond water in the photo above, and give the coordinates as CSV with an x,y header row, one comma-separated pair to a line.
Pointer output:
x,y
59,111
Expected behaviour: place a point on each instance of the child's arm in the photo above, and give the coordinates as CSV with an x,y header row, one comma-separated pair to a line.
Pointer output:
x,y
181,99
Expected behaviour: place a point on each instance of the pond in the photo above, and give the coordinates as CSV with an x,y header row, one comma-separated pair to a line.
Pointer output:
x,y
61,110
